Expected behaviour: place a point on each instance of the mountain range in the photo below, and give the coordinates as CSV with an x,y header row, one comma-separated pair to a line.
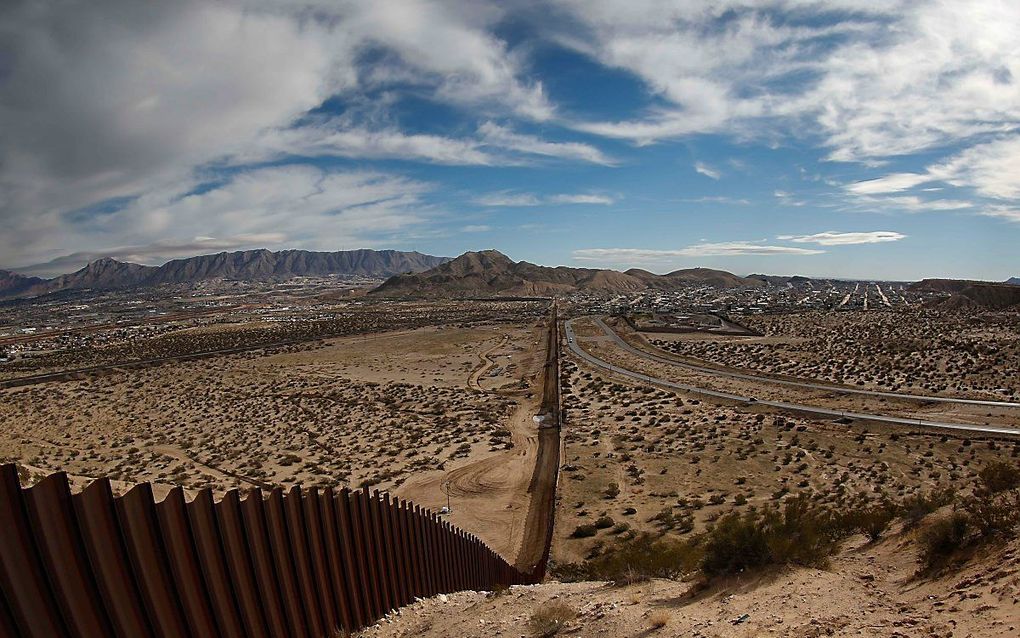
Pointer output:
x,y
491,273
250,265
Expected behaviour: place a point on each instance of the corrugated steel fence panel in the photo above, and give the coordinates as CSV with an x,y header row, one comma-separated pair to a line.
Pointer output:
x,y
305,564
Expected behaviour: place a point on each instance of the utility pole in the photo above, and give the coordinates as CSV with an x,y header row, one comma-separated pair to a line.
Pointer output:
x,y
446,489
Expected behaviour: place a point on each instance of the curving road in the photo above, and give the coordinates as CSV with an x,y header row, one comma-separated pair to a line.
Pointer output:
x,y
797,407
799,384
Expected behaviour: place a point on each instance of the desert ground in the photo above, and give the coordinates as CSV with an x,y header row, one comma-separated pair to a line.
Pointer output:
x,y
870,589
911,350
597,342
639,458
417,412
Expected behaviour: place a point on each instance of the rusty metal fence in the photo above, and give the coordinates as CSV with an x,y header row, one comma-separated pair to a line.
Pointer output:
x,y
306,564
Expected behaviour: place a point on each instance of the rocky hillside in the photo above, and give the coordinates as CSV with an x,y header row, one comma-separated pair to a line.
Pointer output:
x,y
978,296
870,589
12,284
250,265
491,273
285,264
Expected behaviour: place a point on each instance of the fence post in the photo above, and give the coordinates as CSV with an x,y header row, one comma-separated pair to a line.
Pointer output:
x,y
253,512
230,522
101,536
298,532
202,517
341,569
55,529
356,574
184,566
388,554
396,550
318,559
137,517
283,561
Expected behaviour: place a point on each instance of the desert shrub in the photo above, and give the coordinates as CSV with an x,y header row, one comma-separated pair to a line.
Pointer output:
x,y
584,531
916,507
874,521
640,558
550,618
994,513
612,491
604,522
999,476
734,543
942,537
800,534
659,619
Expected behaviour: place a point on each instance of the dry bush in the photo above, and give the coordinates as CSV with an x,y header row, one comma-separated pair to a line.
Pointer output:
x,y
659,619
550,618
637,560
999,476
914,508
943,537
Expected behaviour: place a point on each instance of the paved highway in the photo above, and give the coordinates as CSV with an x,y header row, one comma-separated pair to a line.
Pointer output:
x,y
799,384
797,407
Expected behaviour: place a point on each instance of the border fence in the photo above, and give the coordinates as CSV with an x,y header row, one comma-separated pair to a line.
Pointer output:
x,y
309,563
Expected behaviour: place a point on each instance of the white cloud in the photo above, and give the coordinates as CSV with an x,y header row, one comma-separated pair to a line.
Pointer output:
x,y
117,99
892,183
505,198
1008,214
494,146
706,170
582,198
720,249
509,198
359,142
504,137
885,78
833,238
990,169
285,206
476,228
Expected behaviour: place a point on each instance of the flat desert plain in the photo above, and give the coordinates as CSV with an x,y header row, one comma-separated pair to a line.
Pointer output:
x,y
417,412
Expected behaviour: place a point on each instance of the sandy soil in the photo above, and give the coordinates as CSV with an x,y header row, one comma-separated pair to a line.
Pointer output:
x,y
363,410
869,590
923,351
667,462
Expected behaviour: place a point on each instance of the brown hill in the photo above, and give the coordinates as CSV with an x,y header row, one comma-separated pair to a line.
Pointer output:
x,y
981,297
942,285
490,273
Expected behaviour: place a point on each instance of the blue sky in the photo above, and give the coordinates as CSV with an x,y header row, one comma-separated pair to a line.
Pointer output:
x,y
876,139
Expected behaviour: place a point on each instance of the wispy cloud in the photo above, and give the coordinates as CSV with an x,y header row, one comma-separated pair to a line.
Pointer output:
x,y
888,78
833,238
514,199
706,170
504,137
1008,214
719,249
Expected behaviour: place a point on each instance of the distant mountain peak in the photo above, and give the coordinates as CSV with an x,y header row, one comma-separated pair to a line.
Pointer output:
x,y
491,273
107,273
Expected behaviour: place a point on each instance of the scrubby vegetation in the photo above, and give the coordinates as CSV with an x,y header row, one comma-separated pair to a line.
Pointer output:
x,y
549,619
993,512
804,532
